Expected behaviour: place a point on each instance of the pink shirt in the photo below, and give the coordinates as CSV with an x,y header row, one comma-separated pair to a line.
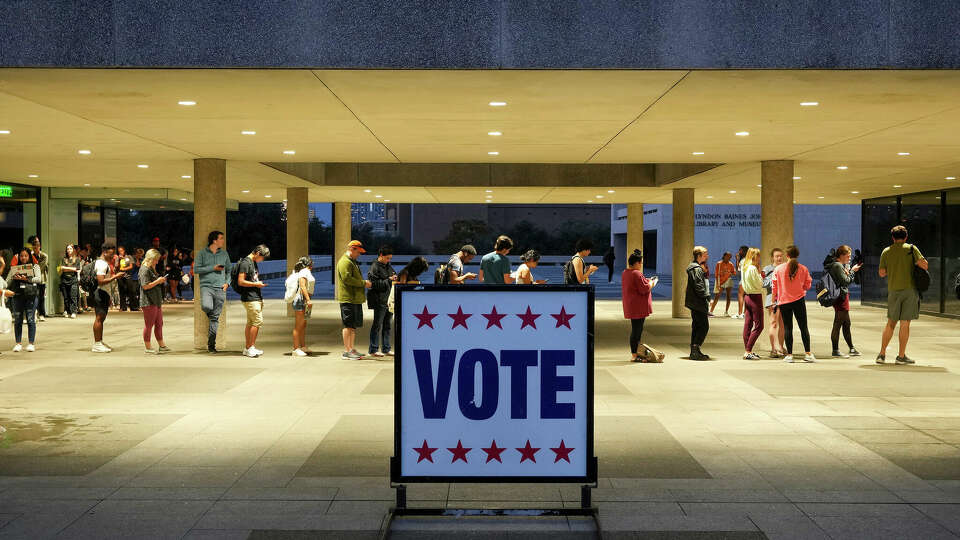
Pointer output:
x,y
637,302
786,290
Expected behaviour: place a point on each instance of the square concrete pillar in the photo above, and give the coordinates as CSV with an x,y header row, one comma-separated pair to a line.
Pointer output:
x,y
634,229
298,229
683,227
209,213
342,233
776,205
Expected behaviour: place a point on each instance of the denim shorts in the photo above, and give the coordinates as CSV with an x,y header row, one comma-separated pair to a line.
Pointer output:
x,y
299,304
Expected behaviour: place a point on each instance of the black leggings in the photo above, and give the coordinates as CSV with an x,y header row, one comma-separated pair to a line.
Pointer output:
x,y
636,332
841,321
796,309
701,325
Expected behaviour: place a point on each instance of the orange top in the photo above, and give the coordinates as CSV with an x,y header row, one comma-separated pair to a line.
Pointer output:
x,y
724,271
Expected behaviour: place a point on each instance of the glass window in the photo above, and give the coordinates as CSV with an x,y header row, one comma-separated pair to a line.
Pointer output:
x,y
920,214
879,216
951,257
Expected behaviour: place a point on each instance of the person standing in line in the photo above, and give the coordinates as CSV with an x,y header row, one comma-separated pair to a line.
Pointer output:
x,y
174,273
69,269
302,304
127,265
151,302
212,266
903,300
608,259
382,277
26,288
579,273
495,266
724,282
790,284
84,254
524,273
100,299
751,279
411,272
738,281
350,295
5,297
248,281
637,300
697,300
454,271
43,262
114,287
837,264
777,349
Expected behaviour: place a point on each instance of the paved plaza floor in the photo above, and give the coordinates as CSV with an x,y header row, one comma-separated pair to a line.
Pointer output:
x,y
189,445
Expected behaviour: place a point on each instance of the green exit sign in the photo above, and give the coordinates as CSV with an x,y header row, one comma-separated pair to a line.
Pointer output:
x,y
6,191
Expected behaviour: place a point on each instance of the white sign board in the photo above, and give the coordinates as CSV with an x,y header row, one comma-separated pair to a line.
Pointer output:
x,y
494,383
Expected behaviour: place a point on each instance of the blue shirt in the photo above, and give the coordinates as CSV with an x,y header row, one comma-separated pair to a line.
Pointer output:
x,y
494,266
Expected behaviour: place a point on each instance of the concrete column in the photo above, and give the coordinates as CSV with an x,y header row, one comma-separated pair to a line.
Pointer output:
x,y
209,213
776,205
634,229
298,229
342,233
683,224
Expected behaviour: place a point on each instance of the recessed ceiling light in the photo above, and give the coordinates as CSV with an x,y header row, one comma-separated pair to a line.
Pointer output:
x,y
709,196
498,103
494,133
489,196
493,153
759,185
267,196
378,196
590,201
183,198
742,133
903,153
797,177
897,185
842,167
611,191
809,103
697,153
386,200
187,103
732,191
489,191
245,191
289,152
367,190
854,192
86,185
32,176
185,176
4,131
84,152
248,132
950,178
143,166
821,197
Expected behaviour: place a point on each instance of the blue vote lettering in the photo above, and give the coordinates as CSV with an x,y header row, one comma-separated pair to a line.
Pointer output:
x,y
435,396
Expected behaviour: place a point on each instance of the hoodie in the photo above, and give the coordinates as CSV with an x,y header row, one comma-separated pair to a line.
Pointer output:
x,y
838,272
698,289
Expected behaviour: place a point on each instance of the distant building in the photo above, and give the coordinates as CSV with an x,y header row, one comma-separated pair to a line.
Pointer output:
x,y
382,217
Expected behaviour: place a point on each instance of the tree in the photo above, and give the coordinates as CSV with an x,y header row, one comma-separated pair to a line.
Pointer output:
x,y
465,231
372,241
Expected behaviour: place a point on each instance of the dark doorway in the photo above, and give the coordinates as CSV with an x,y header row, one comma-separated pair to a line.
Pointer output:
x,y
650,249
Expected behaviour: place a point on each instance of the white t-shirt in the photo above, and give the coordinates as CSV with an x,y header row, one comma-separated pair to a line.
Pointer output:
x,y
102,269
516,275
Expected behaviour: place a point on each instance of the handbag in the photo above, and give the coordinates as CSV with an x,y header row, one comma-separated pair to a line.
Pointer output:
x,y
921,277
6,318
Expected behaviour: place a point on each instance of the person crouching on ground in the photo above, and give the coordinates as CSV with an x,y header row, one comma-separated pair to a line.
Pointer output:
x,y
350,287
382,276
751,280
302,304
697,300
790,284
637,300
151,302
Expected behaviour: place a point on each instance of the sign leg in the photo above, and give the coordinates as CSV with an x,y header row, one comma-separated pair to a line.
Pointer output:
x,y
401,497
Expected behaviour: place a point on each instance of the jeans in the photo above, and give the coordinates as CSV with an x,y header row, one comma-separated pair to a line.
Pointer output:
x,y
636,333
152,320
752,320
41,305
211,301
700,327
20,307
382,320
796,309
71,297
129,294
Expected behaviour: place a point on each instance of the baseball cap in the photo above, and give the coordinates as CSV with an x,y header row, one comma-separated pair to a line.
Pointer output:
x,y
356,244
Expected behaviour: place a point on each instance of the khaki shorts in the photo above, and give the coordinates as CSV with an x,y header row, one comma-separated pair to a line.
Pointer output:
x,y
254,313
903,305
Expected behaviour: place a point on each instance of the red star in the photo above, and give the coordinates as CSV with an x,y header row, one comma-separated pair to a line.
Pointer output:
x,y
529,319
426,453
528,452
562,453
493,453
459,318
563,318
493,318
459,452
426,318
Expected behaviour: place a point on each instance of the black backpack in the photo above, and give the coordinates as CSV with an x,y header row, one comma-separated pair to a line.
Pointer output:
x,y
921,277
88,277
235,277
827,290
570,273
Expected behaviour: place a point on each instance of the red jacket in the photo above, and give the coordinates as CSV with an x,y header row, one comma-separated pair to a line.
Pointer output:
x,y
637,301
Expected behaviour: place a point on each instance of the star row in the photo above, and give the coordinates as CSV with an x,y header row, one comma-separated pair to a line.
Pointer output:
x,y
527,452
494,318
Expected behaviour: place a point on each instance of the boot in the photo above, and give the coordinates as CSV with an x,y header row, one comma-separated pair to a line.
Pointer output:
x,y
695,353
212,343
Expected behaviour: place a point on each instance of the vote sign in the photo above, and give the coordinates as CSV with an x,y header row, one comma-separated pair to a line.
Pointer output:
x,y
494,383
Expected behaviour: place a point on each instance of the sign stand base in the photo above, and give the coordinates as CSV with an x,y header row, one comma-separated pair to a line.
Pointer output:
x,y
586,510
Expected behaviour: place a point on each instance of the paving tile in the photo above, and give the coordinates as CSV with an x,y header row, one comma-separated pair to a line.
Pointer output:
x,y
168,493
158,476
883,528
947,515
281,493
841,496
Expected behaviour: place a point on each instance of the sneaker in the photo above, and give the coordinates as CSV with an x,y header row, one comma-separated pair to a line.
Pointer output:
x,y
212,350
104,343
41,318
788,358
902,360
838,354
347,355
881,359
854,352
389,353
31,348
164,349
151,351
751,356
17,348
257,351
809,358
298,352
377,354
100,348
250,353
73,315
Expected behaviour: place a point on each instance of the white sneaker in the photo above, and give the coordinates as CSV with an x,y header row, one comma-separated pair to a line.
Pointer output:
x,y
73,315
250,353
378,354
104,343
257,351
788,358
31,348
17,348
810,358
150,351
41,318
389,353
298,352
100,348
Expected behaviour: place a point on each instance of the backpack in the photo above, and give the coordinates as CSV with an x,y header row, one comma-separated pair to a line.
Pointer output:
x,y
569,272
827,290
235,277
441,276
921,277
88,277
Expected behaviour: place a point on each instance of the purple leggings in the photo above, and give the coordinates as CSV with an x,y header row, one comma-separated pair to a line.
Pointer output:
x,y
752,320
152,320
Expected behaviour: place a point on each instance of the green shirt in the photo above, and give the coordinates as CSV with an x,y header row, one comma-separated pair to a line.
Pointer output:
x,y
350,283
898,260
494,266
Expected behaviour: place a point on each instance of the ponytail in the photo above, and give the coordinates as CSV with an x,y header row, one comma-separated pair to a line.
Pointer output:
x,y
303,262
793,265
